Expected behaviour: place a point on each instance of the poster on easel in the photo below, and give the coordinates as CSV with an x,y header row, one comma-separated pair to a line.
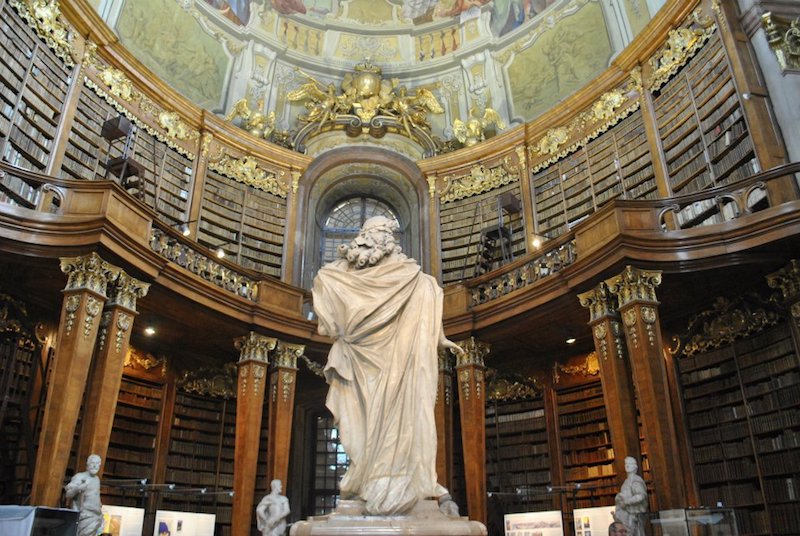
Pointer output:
x,y
122,520
593,521
547,523
170,523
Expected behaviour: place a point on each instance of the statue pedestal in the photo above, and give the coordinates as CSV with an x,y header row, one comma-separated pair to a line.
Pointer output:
x,y
425,519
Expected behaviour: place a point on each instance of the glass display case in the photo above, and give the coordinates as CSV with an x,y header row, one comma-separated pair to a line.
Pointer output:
x,y
691,522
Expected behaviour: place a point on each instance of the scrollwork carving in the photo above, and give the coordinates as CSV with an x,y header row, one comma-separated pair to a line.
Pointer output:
x,y
247,170
211,381
480,179
88,272
255,347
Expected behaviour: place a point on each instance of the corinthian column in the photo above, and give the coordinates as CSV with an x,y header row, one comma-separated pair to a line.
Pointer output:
x,y
281,410
84,296
636,292
471,397
252,383
444,420
105,376
615,374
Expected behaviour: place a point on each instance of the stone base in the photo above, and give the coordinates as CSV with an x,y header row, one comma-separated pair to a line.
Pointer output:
x,y
425,519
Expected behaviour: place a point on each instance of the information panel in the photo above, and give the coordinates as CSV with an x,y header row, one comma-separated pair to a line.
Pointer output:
x,y
122,520
593,521
169,523
534,524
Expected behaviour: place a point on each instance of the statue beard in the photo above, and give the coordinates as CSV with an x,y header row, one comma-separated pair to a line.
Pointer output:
x,y
362,256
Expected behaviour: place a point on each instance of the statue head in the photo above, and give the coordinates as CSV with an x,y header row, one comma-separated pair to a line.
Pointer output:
x,y
93,464
275,486
631,465
375,241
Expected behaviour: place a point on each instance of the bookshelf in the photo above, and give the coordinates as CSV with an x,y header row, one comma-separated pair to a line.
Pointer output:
x,y
131,449
741,407
250,221
461,224
703,132
86,148
518,459
615,164
586,451
33,88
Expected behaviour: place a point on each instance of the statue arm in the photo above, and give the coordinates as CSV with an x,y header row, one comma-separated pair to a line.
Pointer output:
x,y
76,486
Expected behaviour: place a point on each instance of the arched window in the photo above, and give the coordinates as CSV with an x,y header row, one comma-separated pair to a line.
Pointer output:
x,y
345,220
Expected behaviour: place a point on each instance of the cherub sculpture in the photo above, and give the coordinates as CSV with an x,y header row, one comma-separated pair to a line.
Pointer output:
x,y
411,110
322,101
473,130
258,124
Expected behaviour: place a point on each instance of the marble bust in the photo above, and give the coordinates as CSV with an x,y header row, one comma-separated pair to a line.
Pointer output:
x,y
631,499
385,317
84,492
272,511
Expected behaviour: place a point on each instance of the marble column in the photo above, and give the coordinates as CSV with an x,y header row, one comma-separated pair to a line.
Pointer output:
x,y
636,293
470,374
615,375
444,420
281,410
84,296
105,375
252,383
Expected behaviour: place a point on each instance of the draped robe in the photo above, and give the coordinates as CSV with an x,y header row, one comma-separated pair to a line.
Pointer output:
x,y
382,372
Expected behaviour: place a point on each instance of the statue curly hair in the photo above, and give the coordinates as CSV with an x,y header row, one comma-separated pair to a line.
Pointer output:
x,y
374,242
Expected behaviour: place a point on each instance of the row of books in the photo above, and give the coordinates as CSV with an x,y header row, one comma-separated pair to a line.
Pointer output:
x,y
737,468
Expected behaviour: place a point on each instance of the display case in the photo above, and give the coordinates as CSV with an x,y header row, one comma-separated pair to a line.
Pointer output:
x,y
691,522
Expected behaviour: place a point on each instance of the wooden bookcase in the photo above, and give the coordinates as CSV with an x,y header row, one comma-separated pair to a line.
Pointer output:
x,y
615,164
517,455
33,88
744,427
86,150
586,452
131,449
703,132
461,224
249,222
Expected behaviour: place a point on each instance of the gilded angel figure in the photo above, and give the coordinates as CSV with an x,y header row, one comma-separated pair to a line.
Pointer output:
x,y
473,130
322,101
411,110
258,124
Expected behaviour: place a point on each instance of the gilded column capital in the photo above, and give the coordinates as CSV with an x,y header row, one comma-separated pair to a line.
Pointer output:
x,y
600,302
125,290
445,361
787,280
88,272
286,354
634,284
255,347
474,353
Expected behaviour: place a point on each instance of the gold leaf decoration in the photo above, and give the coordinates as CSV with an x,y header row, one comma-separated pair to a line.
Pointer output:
x,y
479,179
681,45
44,17
247,171
176,127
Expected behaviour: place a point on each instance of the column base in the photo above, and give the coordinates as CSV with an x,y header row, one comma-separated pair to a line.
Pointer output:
x,y
425,519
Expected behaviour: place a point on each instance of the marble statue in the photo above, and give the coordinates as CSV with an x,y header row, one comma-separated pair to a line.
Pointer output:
x,y
385,316
631,499
84,492
272,511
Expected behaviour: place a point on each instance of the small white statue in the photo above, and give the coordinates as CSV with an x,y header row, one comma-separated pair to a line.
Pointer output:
x,y
84,492
631,499
272,512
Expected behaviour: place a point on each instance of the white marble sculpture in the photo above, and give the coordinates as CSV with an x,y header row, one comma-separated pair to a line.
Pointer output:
x,y
631,499
84,492
385,316
272,511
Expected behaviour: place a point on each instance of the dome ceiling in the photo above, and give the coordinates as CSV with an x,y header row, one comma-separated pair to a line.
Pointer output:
x,y
519,57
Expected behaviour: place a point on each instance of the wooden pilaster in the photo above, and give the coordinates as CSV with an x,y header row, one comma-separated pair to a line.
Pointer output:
x,y
198,183
615,374
434,226
84,297
471,396
281,410
638,307
252,383
290,249
444,420
105,375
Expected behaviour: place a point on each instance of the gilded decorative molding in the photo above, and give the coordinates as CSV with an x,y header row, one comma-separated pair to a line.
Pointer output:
x,y
682,44
255,347
136,358
589,367
93,308
600,302
599,333
316,368
71,305
445,361
247,171
202,265
616,329
286,355
210,381
287,380
787,280
176,127
432,186
635,285
783,37
649,318
479,179
124,322
629,319
102,335
88,272
502,387
295,180
474,353
259,372
726,321
125,290
44,17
